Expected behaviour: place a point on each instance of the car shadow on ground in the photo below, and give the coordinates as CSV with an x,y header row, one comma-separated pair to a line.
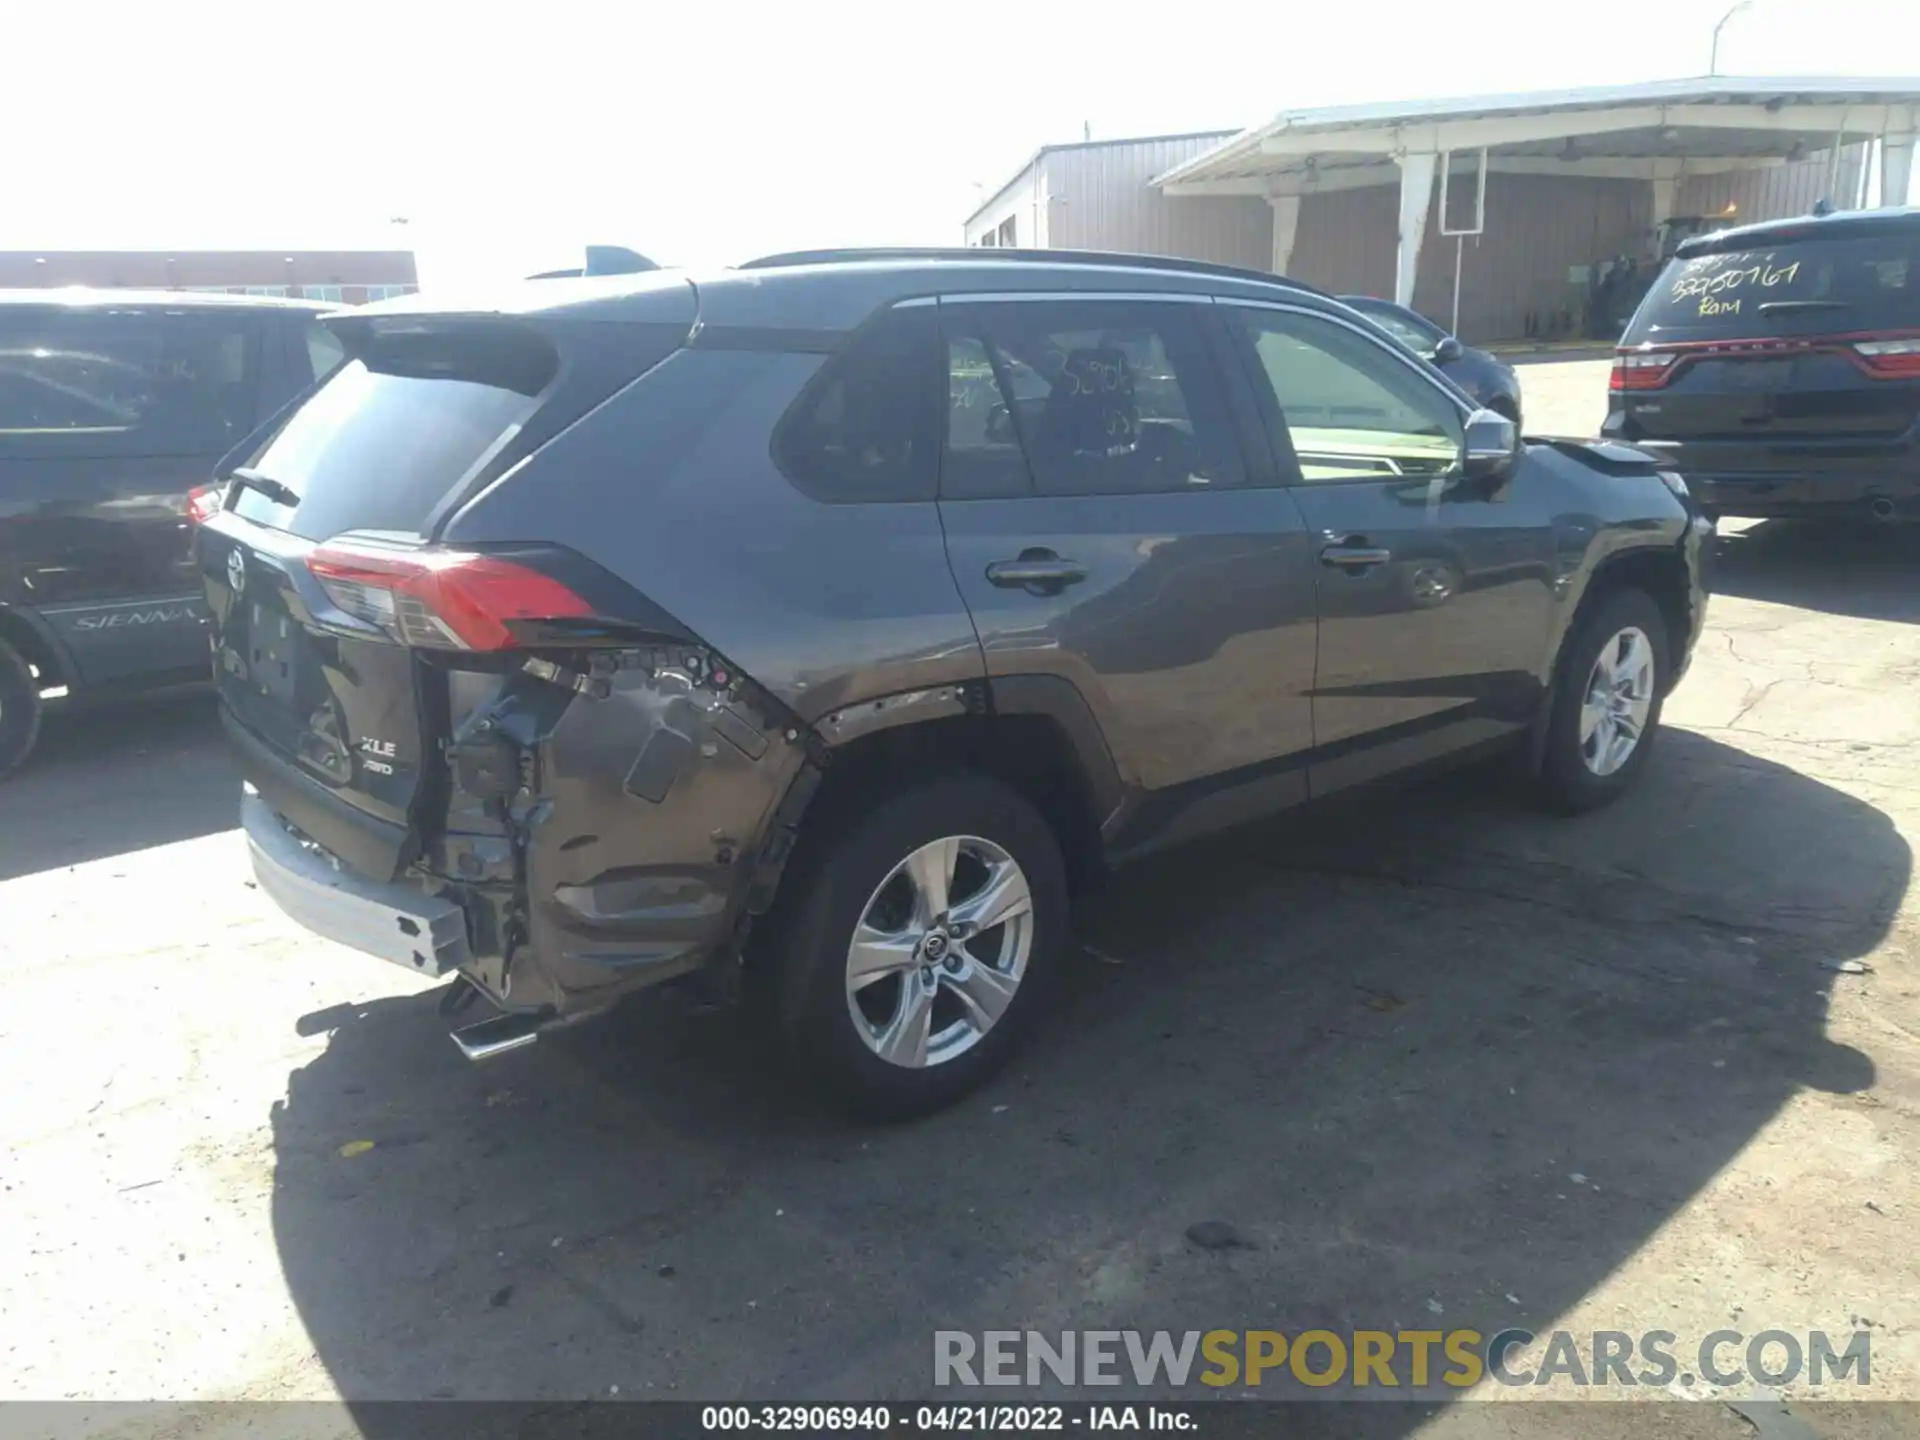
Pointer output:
x,y
1435,1055
109,779
1871,572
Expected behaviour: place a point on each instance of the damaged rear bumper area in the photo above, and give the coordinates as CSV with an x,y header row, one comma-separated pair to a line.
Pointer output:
x,y
605,828
398,922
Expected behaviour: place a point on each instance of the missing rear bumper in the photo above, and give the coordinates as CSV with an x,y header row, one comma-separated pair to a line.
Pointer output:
x,y
397,922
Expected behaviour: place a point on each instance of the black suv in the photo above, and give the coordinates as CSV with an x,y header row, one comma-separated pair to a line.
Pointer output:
x,y
1778,365
811,627
115,406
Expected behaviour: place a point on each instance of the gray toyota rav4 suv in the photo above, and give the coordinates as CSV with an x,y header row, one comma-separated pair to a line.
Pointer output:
x,y
809,629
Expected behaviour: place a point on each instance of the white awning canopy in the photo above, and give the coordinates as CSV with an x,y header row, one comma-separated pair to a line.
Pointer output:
x,y
1661,132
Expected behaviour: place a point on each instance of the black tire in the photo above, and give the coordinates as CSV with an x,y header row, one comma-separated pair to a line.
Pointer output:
x,y
1566,782
1501,405
19,710
831,894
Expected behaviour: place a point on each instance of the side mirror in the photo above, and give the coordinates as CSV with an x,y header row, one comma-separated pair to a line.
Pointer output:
x,y
1448,350
1492,446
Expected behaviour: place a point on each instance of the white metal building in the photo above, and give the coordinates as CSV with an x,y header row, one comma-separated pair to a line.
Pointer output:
x,y
1551,186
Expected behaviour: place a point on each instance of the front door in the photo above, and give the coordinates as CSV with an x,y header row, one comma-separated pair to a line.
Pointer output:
x,y
1435,593
1106,525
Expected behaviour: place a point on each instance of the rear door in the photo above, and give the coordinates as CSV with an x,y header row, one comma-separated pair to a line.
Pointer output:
x,y
334,708
1435,596
109,415
1106,525
1759,352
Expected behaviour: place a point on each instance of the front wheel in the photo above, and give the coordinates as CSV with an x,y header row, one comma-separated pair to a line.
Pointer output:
x,y
19,709
924,942
1606,704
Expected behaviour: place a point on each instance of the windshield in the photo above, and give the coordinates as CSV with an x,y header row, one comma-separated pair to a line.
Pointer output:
x,y
1794,287
1410,330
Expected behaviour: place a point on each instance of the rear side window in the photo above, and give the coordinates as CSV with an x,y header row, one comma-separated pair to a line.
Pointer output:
x,y
396,430
867,427
86,383
1102,397
1804,286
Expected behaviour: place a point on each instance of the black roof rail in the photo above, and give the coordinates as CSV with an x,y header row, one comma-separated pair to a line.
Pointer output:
x,y
993,253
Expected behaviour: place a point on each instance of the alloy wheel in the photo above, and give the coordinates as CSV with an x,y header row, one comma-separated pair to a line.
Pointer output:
x,y
939,951
1618,702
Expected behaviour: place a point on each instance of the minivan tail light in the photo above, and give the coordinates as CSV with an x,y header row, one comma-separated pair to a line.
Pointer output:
x,y
1642,370
205,502
441,599
1890,359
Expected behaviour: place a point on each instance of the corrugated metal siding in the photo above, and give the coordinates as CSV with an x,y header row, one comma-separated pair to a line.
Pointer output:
x,y
1099,199
1537,227
1777,191
1347,239
1023,200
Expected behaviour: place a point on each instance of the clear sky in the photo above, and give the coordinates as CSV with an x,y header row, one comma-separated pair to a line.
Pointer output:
x,y
510,134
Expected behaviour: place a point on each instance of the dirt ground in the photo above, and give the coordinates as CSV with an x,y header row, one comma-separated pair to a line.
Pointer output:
x,y
1442,1061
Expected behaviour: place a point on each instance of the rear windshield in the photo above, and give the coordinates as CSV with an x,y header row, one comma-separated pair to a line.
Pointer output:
x,y
394,432
1794,287
84,383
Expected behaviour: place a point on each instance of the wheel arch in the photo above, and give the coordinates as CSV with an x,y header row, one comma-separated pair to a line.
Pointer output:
x,y
19,630
1658,571
1034,733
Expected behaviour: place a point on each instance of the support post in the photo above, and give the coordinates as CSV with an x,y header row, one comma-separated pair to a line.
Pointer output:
x,y
1896,166
1416,196
1286,228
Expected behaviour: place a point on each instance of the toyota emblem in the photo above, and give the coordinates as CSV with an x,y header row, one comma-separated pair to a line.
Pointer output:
x,y
236,570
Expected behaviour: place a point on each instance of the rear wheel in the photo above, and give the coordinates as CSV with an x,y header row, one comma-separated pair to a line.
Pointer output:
x,y
925,938
19,709
1606,704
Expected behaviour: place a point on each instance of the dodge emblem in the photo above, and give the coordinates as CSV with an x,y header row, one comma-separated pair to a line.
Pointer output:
x,y
236,570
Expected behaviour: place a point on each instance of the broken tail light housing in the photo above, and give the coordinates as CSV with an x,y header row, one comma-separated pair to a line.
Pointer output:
x,y
441,599
205,502
1642,370
1890,359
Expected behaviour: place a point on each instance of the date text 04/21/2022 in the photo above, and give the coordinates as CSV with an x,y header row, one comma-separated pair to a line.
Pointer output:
x,y
963,1419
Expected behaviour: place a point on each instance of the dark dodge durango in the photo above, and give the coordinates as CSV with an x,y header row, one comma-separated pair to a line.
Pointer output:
x,y
1778,366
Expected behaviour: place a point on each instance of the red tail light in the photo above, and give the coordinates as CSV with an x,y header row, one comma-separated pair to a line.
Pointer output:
x,y
1890,359
443,599
205,503
1641,370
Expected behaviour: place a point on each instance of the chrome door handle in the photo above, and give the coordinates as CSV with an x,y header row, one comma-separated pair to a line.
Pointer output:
x,y
1040,571
1354,557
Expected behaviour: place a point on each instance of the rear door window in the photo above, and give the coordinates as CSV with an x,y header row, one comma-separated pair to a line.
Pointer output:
x,y
86,383
1795,286
395,431
1100,397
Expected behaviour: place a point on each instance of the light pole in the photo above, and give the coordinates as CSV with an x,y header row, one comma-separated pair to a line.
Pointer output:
x,y
1713,61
